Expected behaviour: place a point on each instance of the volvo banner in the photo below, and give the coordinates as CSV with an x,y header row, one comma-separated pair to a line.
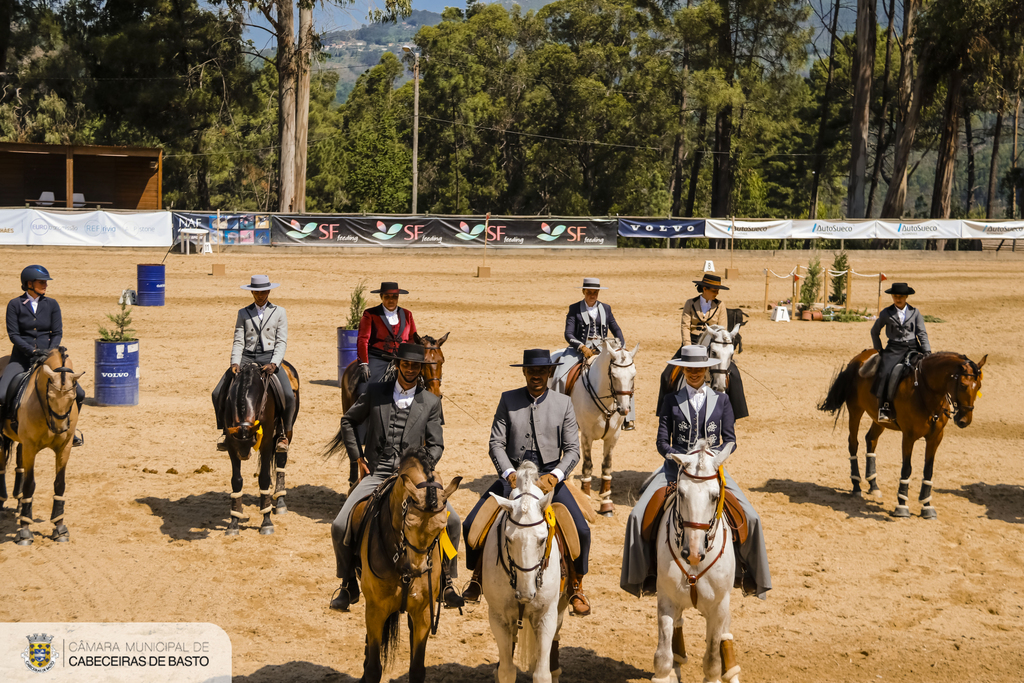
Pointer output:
x,y
86,229
629,227
423,231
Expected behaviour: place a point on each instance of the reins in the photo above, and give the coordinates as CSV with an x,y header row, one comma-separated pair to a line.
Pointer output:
x,y
52,417
512,568
597,399
710,529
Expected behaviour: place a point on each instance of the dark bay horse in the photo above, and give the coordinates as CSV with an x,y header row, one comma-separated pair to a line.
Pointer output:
x,y
431,375
400,556
943,385
250,413
46,418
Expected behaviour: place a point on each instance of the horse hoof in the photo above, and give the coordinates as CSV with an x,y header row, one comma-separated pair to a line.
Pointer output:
x,y
231,532
266,530
281,508
607,513
62,539
900,511
877,493
25,541
928,512
856,493
24,537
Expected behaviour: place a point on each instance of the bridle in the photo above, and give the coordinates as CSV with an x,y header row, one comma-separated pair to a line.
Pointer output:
x,y
953,407
597,399
255,425
710,529
52,416
719,370
511,568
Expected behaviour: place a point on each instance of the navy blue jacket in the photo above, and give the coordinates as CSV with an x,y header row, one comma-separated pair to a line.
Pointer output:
x,y
41,330
576,328
678,432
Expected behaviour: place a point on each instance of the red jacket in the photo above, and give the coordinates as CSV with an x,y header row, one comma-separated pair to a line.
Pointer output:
x,y
375,334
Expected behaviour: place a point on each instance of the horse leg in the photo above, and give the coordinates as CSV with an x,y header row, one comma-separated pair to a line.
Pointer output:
x,y
901,495
854,414
266,499
375,621
544,632
3,475
419,631
586,444
28,463
663,659
236,495
870,473
281,460
60,530
505,635
719,645
607,509
931,445
678,648
19,481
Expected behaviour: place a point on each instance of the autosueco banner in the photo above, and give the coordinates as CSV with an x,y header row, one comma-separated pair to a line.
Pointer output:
x,y
1006,230
834,229
918,229
86,229
421,231
748,230
629,227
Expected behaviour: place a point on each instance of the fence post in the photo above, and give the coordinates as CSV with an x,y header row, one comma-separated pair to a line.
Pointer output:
x,y
766,276
849,285
880,278
796,289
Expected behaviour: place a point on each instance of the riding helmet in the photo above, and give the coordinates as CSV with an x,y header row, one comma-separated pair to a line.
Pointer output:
x,y
33,273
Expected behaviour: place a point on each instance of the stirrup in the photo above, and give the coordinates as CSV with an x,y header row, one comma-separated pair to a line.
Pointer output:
x,y
472,600
78,439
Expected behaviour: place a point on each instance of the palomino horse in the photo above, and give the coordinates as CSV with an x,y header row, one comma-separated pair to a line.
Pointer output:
x,y
941,386
431,375
694,567
401,564
522,581
46,418
721,344
250,414
609,377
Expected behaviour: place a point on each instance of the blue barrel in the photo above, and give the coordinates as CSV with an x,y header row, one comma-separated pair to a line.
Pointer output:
x,y
151,284
117,373
346,349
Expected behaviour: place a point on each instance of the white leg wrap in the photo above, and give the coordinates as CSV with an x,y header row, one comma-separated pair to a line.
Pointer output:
x,y
731,674
871,455
905,481
926,483
902,497
278,494
854,478
19,470
25,520
236,495
606,477
853,457
266,510
871,477
264,493
59,498
586,478
57,519
680,659
26,501
727,636
280,469
237,514
925,501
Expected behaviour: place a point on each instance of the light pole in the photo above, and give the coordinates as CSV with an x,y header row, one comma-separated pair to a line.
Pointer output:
x,y
415,122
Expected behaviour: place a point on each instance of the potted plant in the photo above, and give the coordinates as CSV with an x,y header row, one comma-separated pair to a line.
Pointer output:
x,y
348,334
117,360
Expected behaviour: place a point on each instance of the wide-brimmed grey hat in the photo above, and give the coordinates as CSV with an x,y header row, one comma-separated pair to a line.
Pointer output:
x,y
694,356
260,283
592,283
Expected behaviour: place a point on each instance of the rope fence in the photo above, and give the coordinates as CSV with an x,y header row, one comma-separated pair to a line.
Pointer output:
x,y
830,274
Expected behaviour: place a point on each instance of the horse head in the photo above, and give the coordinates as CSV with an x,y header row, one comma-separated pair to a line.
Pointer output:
x,y
721,346
247,396
699,490
621,372
967,389
417,506
61,384
527,538
432,353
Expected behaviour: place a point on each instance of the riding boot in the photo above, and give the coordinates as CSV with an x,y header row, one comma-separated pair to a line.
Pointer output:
x,y
449,595
346,595
77,440
884,412
578,599
282,439
471,593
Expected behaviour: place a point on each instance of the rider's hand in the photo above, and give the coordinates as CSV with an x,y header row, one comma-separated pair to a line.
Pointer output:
x,y
364,372
587,351
234,368
547,482
512,479
269,369
364,469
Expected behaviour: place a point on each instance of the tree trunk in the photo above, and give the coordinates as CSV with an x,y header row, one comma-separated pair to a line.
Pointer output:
x,y
691,192
862,72
303,75
909,98
819,145
6,16
679,153
721,165
993,179
971,174
942,191
286,103
883,139
1014,195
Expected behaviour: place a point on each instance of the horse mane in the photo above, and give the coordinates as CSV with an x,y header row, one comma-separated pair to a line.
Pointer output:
x,y
244,380
527,476
414,462
427,340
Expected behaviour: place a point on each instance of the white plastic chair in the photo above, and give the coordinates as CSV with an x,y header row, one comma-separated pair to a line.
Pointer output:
x,y
77,200
45,199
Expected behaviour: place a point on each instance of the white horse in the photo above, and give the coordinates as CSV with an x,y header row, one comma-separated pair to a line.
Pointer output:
x,y
601,399
696,567
721,345
521,581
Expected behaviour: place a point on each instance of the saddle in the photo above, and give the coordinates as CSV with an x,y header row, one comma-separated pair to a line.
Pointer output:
x,y
906,366
360,519
15,393
573,375
660,500
565,529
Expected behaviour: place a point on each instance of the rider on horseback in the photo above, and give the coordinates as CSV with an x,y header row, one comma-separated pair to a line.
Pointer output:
x,y
586,325
261,336
703,310
401,416
381,329
905,332
34,326
536,425
697,412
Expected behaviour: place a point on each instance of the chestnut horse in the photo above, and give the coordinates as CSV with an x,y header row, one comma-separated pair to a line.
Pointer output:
x,y
46,418
400,554
941,386
431,375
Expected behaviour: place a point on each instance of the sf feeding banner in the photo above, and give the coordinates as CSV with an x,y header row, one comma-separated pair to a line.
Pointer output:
x,y
423,231
661,228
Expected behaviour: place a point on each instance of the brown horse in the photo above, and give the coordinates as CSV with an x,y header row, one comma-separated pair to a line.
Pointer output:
x,y
401,564
46,418
431,375
941,386
250,413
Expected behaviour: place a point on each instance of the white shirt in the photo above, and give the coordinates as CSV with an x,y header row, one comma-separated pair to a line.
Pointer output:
x,y
392,316
33,301
403,397
593,312
902,313
261,309
705,305
697,396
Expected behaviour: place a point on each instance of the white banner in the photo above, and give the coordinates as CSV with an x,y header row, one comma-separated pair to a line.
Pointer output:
x,y
918,229
834,229
86,229
1006,230
748,230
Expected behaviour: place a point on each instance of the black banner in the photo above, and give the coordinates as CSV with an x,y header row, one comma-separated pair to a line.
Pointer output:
x,y
422,231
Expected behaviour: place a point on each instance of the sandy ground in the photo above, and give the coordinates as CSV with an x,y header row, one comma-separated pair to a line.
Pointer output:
x,y
858,596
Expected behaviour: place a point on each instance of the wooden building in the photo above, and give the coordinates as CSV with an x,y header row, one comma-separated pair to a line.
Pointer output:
x,y
80,176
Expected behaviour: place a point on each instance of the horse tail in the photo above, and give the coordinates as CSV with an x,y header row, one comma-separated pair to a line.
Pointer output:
x,y
839,391
389,641
6,446
526,654
334,445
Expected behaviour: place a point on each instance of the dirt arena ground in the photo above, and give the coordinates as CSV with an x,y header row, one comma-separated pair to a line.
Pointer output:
x,y
858,596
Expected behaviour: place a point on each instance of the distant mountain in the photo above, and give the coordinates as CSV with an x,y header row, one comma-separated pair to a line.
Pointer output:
x,y
382,34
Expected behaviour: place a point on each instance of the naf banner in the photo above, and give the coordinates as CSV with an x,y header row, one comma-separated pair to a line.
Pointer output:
x,y
422,231
232,228
661,228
